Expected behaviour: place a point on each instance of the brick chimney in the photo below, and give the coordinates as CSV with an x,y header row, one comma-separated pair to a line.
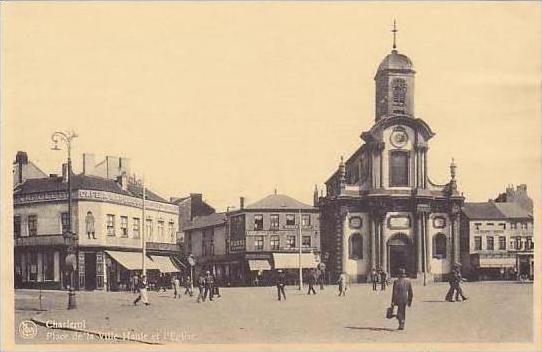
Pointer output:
x,y
122,180
88,164
241,202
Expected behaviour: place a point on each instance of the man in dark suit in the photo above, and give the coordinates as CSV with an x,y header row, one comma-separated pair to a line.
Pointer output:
x,y
281,282
401,297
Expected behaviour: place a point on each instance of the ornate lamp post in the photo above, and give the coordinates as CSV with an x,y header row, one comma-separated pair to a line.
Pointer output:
x,y
71,259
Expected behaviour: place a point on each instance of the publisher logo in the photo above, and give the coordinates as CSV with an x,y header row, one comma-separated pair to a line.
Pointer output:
x,y
28,329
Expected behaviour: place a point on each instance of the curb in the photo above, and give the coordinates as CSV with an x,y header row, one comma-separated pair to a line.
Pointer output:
x,y
93,332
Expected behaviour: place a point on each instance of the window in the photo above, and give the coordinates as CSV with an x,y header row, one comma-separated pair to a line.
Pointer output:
x,y
519,243
275,242
512,244
490,224
399,92
124,226
529,245
258,243
148,229
490,243
110,225
502,243
477,226
291,241
439,246
398,168
171,231
258,222
160,230
274,221
306,220
306,241
524,226
65,222
32,269
136,227
355,246
17,226
502,226
32,225
477,243
290,220
513,225
208,245
48,266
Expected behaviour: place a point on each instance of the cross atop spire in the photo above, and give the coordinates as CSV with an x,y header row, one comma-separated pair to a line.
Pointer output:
x,y
394,31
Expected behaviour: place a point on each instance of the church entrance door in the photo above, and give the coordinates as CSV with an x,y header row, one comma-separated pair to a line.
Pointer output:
x,y
400,255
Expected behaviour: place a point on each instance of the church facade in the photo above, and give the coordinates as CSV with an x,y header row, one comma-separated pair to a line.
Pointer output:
x,y
381,209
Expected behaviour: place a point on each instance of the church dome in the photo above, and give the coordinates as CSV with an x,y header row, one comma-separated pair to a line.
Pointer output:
x,y
396,61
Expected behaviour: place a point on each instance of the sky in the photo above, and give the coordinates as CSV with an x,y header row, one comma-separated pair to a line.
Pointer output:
x,y
239,99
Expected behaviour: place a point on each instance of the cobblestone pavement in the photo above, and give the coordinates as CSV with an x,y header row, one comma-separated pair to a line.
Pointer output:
x,y
495,312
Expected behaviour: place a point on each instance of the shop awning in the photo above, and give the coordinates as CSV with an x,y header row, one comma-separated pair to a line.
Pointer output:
x,y
259,264
291,260
164,264
132,260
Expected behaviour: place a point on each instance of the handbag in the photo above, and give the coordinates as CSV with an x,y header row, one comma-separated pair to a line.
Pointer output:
x,y
389,312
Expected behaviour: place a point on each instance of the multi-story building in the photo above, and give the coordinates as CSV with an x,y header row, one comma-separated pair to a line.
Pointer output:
x,y
268,235
381,209
107,220
189,208
497,240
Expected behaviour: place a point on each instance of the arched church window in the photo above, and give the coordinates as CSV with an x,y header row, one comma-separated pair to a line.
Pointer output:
x,y
355,246
399,91
439,246
399,161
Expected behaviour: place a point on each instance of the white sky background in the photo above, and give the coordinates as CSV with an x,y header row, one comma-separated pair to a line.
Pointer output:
x,y
239,99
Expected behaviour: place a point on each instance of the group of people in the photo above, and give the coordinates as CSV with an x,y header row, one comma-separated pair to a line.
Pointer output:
x,y
455,281
207,286
379,276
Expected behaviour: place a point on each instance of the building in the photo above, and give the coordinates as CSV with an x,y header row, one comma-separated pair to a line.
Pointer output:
x,y
381,208
268,234
206,240
497,240
107,220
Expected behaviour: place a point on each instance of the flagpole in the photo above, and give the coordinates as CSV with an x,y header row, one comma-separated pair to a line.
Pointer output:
x,y
300,267
143,236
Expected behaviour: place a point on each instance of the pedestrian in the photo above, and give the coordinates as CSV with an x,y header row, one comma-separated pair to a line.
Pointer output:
x,y
201,287
401,296
312,281
281,282
216,287
176,287
374,278
451,280
383,279
321,276
188,286
209,284
161,284
135,283
457,284
142,287
343,284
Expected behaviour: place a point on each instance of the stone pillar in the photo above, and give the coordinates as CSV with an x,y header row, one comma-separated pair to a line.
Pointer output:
x,y
428,244
372,237
419,243
383,248
455,227
344,219
338,242
381,153
425,167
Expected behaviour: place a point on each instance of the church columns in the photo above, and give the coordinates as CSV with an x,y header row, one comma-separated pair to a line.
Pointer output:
x,y
421,165
378,165
419,243
425,245
372,238
339,230
378,244
425,167
428,243
455,226
383,247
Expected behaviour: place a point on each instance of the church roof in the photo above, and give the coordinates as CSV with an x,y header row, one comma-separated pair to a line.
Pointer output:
x,y
278,201
396,61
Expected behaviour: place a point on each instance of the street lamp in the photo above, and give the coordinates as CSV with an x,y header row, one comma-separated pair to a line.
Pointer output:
x,y
66,138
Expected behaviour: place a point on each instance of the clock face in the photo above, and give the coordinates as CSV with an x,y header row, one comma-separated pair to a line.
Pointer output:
x,y
399,138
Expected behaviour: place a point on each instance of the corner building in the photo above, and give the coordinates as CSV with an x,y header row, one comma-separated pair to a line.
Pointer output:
x,y
381,209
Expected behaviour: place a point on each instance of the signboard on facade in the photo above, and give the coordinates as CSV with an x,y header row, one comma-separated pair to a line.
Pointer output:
x,y
237,245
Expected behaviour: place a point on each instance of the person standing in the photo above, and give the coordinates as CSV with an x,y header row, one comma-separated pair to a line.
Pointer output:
x,y
201,287
383,280
176,287
142,287
209,284
401,296
188,286
135,283
281,282
343,282
216,287
312,281
374,278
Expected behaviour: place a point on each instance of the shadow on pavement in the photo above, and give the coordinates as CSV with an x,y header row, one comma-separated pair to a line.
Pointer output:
x,y
370,328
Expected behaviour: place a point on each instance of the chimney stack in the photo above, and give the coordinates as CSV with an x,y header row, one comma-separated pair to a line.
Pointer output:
x,y
88,164
241,203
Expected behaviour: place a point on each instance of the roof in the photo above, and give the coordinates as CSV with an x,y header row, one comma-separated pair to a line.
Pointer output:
x,y
215,219
278,201
492,210
84,182
396,61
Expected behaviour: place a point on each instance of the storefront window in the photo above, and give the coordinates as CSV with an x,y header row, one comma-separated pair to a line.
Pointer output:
x,y
48,266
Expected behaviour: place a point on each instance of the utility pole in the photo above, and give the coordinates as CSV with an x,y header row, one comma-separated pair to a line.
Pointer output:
x,y
300,267
143,236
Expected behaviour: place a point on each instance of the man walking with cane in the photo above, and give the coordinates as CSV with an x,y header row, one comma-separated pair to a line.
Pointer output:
x,y
401,296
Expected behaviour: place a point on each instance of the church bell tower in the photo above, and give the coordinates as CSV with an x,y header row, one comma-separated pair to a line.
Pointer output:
x,y
394,81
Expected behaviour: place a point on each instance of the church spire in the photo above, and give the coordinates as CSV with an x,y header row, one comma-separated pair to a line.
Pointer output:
x,y
394,31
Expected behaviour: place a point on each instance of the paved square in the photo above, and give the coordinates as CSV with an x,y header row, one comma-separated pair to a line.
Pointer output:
x,y
495,312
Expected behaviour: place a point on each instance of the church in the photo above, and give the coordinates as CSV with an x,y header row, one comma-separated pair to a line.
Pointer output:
x,y
381,209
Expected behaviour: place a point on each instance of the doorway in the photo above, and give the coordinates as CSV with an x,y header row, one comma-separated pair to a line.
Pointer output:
x,y
400,255
90,270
